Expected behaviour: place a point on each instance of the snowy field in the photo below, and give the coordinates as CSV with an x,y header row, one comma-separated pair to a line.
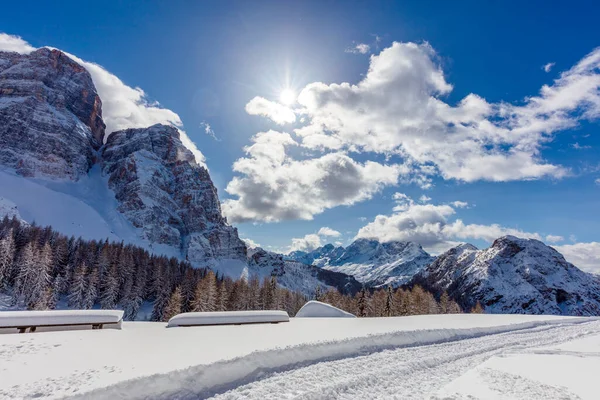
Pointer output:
x,y
441,357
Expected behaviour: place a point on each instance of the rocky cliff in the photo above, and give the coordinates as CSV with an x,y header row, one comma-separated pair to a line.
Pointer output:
x,y
50,115
163,191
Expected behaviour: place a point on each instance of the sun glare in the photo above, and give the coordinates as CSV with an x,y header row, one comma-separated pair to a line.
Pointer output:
x,y
287,97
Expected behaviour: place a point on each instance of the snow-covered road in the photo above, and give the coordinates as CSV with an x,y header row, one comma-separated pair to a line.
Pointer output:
x,y
422,371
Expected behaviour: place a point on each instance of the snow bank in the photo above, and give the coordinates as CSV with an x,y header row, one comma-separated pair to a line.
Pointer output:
x,y
229,318
317,309
61,317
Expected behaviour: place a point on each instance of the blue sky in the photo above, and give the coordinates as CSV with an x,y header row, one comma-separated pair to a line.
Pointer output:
x,y
207,60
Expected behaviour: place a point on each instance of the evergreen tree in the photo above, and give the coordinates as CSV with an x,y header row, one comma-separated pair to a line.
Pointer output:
x,y
477,309
78,288
7,255
444,303
174,305
389,303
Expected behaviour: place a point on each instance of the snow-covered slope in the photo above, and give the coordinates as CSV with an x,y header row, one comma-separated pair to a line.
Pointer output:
x,y
369,261
147,360
513,276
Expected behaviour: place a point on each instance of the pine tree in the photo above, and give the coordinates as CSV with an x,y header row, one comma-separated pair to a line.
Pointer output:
x,y
91,289
444,303
362,305
477,309
205,297
174,305
38,297
27,270
389,302
7,255
78,289
110,290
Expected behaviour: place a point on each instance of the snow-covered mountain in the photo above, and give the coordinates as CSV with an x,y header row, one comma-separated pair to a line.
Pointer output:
x,y
50,115
369,261
143,186
521,276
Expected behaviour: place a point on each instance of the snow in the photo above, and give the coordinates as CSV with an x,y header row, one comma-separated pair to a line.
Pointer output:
x,y
145,360
317,309
8,209
60,317
228,318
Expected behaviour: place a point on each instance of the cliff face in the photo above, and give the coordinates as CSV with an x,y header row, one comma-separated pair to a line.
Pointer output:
x,y
163,191
50,115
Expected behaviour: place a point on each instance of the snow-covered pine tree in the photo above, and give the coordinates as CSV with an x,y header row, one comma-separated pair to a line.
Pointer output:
x,y
78,289
205,298
91,293
26,270
38,297
7,255
110,289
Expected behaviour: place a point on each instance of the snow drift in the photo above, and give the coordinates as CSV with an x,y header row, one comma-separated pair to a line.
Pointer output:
x,y
317,309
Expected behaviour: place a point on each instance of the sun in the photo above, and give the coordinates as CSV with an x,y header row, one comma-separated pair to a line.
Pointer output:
x,y
287,97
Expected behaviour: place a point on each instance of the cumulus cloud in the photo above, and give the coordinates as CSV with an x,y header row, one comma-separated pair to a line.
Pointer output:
x,y
548,67
326,231
122,106
398,108
432,226
14,43
460,204
276,112
424,199
275,186
586,256
250,243
307,243
554,238
359,48
597,181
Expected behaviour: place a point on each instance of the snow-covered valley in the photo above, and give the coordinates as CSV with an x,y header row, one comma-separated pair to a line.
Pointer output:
x,y
405,357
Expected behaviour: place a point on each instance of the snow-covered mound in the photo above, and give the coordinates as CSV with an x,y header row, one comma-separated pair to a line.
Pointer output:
x,y
229,318
369,261
8,209
522,276
317,309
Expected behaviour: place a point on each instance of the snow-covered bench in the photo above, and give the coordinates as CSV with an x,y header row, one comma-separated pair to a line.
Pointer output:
x,y
31,320
228,318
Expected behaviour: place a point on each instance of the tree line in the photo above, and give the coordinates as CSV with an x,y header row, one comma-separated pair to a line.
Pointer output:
x,y
42,269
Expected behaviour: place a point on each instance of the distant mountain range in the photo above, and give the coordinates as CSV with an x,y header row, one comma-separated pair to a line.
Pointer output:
x,y
369,261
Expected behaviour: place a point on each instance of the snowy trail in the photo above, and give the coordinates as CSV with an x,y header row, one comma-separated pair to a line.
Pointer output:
x,y
413,372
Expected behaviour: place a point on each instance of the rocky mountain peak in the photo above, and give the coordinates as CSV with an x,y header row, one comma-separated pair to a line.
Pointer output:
x,y
50,115
164,192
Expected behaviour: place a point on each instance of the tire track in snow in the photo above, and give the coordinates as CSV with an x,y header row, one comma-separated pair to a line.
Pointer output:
x,y
404,373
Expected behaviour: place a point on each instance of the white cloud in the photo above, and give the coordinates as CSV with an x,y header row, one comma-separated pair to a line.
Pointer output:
x,y
306,243
597,181
554,238
276,112
424,199
578,146
326,231
208,130
586,256
398,109
275,187
548,67
460,204
14,43
359,48
250,243
122,106
431,226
